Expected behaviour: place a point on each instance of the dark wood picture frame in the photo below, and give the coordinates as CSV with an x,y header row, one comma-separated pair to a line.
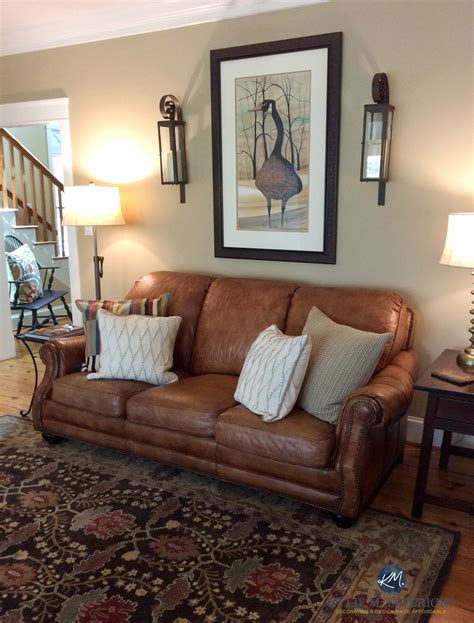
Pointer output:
x,y
333,43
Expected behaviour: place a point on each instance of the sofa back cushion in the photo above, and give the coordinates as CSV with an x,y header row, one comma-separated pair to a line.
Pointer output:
x,y
187,295
234,312
366,309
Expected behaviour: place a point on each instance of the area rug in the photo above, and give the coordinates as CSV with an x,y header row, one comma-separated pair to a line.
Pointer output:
x,y
89,535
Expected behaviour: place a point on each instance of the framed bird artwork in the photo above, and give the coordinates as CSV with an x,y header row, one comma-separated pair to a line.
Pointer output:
x,y
275,135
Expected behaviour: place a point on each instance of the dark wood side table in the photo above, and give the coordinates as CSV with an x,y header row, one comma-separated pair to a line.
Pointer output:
x,y
450,408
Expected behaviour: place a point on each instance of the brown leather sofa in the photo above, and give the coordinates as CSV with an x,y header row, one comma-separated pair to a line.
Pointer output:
x,y
196,423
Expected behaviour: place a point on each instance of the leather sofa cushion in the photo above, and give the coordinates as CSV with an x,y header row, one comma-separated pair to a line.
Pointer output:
x,y
104,396
299,439
187,294
234,312
366,309
190,406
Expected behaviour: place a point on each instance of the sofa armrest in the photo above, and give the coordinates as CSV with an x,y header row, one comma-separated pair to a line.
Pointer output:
x,y
385,398
361,454
67,354
60,357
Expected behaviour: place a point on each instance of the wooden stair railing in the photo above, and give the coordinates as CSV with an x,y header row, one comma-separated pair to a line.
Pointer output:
x,y
30,210
39,208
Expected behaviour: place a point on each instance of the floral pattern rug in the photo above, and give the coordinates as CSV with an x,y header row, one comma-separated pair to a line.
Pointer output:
x,y
89,535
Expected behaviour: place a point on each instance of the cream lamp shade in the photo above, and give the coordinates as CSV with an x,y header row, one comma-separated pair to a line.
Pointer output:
x,y
92,205
459,251
459,246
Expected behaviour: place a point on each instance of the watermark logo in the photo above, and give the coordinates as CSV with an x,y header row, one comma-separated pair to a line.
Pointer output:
x,y
391,579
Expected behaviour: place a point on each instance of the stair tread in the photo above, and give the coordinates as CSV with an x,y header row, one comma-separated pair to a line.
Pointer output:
x,y
8,210
25,227
60,257
41,242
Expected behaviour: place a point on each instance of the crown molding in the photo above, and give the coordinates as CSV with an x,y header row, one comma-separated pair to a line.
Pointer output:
x,y
37,111
138,17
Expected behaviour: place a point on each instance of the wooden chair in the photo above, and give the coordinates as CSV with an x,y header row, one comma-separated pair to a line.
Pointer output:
x,y
47,300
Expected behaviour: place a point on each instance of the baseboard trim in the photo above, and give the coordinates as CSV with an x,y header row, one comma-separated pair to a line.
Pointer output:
x,y
415,432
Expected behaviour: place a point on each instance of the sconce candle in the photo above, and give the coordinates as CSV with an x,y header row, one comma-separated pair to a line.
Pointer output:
x,y
377,136
172,144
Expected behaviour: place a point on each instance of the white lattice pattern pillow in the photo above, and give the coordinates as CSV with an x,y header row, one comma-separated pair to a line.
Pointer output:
x,y
138,348
273,373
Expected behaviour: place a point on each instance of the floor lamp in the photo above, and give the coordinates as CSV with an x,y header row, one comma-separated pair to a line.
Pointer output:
x,y
93,205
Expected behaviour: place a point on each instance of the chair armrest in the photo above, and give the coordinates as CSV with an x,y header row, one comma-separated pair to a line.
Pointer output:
x,y
51,277
60,357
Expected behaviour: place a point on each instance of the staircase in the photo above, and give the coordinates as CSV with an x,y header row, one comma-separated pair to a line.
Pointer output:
x,y
31,206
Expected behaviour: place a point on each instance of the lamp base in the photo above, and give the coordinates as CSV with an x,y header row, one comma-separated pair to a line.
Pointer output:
x,y
465,360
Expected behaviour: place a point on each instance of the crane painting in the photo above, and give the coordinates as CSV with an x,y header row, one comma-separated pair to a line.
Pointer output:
x,y
272,141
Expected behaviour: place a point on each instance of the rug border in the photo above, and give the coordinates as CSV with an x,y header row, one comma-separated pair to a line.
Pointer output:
x,y
443,572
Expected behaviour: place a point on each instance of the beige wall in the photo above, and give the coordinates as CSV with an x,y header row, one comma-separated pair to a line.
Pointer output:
x,y
35,139
426,49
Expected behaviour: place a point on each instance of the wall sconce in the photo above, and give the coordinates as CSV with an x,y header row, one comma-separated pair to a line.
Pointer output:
x,y
172,146
377,136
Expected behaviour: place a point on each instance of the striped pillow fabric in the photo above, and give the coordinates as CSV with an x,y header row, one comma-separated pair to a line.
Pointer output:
x,y
342,360
90,309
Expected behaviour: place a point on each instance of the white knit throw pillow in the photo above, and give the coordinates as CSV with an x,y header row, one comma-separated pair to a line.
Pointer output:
x,y
138,348
273,373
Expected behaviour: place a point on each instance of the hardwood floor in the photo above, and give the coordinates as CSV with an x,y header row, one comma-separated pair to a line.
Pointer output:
x,y
17,379
17,382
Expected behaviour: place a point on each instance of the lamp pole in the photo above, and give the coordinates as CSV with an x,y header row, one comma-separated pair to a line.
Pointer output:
x,y
98,265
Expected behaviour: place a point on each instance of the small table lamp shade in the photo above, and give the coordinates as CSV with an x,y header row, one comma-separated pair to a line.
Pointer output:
x,y
459,251
459,246
92,205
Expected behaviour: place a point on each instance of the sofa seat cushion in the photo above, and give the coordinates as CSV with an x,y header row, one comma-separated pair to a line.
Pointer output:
x,y
190,406
299,439
104,396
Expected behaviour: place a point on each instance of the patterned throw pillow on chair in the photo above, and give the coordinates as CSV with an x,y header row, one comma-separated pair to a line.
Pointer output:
x,y
24,268
90,309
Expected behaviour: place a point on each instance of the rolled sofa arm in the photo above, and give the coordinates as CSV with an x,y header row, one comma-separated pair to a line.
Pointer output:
x,y
60,357
387,396
365,449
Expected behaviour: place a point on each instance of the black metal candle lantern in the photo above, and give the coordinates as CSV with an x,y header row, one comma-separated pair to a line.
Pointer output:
x,y
172,144
376,136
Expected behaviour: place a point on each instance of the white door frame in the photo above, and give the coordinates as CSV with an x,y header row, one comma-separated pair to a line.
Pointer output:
x,y
7,343
42,112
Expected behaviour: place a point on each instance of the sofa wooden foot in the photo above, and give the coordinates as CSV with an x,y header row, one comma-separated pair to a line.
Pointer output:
x,y
344,522
52,439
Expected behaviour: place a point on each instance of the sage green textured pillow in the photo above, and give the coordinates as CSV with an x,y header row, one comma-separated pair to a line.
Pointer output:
x,y
342,359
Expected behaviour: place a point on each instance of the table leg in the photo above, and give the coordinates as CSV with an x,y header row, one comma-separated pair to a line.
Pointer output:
x,y
24,413
445,448
425,455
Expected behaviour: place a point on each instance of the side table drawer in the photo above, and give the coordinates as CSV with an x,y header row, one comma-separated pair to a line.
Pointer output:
x,y
456,410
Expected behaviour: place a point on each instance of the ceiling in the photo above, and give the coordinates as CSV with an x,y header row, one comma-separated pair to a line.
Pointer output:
x,y
28,25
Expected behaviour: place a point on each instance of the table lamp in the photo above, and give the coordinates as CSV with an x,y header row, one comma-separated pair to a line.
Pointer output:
x,y
93,205
459,251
